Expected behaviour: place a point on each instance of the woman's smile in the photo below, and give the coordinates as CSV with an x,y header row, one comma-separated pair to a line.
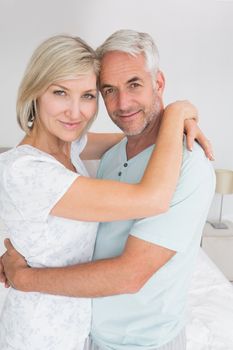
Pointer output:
x,y
71,125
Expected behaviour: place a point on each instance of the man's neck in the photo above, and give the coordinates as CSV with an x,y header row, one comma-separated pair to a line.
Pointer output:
x,y
136,144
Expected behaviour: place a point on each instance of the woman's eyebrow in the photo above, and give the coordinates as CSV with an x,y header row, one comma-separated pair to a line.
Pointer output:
x,y
60,86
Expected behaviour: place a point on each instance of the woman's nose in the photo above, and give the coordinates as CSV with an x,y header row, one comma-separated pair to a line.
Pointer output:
x,y
73,110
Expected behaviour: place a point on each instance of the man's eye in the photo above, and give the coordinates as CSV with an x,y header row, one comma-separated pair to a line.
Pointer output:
x,y
89,96
134,85
108,91
59,92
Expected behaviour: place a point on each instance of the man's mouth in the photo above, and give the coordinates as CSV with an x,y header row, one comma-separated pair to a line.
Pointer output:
x,y
128,116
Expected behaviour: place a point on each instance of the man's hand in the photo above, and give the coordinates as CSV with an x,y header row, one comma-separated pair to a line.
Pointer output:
x,y
193,132
3,278
11,263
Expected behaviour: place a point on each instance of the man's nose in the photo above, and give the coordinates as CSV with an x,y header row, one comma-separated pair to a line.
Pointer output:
x,y
123,100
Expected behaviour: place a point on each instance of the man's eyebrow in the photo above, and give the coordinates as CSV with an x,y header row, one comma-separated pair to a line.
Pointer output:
x,y
131,80
104,86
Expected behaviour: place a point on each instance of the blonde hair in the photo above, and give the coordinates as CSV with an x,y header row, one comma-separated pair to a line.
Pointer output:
x,y
57,58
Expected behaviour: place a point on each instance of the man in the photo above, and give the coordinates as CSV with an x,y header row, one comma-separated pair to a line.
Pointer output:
x,y
144,266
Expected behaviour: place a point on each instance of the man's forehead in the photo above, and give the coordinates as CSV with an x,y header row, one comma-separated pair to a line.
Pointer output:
x,y
122,67
117,57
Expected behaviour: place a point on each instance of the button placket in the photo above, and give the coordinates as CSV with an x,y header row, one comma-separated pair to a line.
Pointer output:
x,y
125,166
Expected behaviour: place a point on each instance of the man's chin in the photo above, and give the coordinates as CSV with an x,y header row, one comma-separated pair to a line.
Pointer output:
x,y
132,132
133,128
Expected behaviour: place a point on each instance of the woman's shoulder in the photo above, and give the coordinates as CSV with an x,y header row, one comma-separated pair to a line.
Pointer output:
x,y
25,160
26,169
24,152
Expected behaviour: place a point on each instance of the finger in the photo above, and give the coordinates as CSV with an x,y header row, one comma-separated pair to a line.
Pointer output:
x,y
207,147
1,264
209,151
2,274
2,277
8,245
7,284
189,141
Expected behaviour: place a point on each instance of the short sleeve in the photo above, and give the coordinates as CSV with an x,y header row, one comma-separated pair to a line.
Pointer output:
x,y
79,145
189,208
35,184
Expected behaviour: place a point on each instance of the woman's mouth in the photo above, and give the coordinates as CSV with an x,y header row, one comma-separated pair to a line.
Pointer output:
x,y
70,125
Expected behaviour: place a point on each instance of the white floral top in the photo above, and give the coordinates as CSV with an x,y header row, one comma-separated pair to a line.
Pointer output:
x,y
31,182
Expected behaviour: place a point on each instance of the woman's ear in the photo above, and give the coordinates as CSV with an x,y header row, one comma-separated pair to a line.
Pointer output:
x,y
160,83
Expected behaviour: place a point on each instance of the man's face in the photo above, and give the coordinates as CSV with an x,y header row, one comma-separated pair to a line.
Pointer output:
x,y
132,100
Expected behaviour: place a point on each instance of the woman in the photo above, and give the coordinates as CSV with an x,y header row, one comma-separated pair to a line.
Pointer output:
x,y
49,204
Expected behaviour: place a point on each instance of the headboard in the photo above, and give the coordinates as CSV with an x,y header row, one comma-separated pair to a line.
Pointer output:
x,y
4,149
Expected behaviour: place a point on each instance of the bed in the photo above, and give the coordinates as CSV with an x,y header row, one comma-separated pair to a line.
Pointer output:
x,y
210,306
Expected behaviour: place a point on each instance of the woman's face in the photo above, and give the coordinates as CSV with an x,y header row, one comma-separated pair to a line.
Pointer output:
x,y
66,107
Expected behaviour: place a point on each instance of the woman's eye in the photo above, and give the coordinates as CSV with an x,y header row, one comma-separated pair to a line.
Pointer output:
x,y
89,96
59,92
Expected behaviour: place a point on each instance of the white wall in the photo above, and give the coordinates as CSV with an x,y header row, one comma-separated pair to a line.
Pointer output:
x,y
23,25
194,39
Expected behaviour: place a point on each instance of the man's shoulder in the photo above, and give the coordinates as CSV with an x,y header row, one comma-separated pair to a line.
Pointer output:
x,y
196,172
195,158
116,149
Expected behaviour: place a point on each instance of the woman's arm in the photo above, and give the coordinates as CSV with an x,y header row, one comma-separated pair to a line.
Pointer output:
x,y
105,200
99,143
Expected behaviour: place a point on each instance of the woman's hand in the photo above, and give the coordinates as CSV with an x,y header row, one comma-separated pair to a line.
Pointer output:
x,y
193,132
189,113
12,263
183,109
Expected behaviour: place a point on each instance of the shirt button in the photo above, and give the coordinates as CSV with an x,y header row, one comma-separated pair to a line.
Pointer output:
x,y
119,174
125,165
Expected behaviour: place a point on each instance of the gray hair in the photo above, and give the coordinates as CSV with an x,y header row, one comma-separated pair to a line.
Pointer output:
x,y
133,43
60,57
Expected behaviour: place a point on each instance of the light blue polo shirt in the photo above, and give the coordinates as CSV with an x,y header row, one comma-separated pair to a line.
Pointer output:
x,y
153,316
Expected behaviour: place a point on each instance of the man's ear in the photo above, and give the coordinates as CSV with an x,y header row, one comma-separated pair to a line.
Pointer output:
x,y
160,83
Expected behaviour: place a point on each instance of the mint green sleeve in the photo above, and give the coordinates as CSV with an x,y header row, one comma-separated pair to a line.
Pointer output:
x,y
189,208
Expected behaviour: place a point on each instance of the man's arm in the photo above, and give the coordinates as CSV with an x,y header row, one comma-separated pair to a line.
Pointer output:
x,y
99,143
120,275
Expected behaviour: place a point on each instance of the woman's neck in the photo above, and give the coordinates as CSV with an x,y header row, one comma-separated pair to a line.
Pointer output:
x,y
47,143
